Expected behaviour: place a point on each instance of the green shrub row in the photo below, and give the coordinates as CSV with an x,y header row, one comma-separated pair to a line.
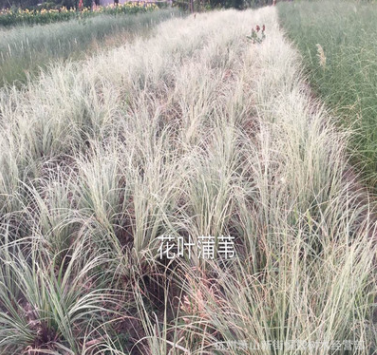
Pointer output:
x,y
12,17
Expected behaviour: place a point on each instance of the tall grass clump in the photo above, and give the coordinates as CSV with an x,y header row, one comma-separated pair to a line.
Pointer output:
x,y
337,40
25,50
196,131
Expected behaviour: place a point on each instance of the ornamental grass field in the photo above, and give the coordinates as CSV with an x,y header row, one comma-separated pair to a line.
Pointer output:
x,y
337,40
198,130
25,50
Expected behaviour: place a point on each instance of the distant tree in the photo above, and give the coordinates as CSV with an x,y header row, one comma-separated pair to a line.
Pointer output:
x,y
18,3
238,4
69,4
256,3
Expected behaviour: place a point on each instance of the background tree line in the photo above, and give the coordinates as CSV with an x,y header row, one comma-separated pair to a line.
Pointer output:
x,y
24,4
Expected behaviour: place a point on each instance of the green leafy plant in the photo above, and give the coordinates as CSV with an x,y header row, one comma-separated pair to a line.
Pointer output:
x,y
257,35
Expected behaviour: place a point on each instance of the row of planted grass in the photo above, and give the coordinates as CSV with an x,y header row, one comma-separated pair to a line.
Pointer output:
x,y
196,131
338,42
25,50
10,17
